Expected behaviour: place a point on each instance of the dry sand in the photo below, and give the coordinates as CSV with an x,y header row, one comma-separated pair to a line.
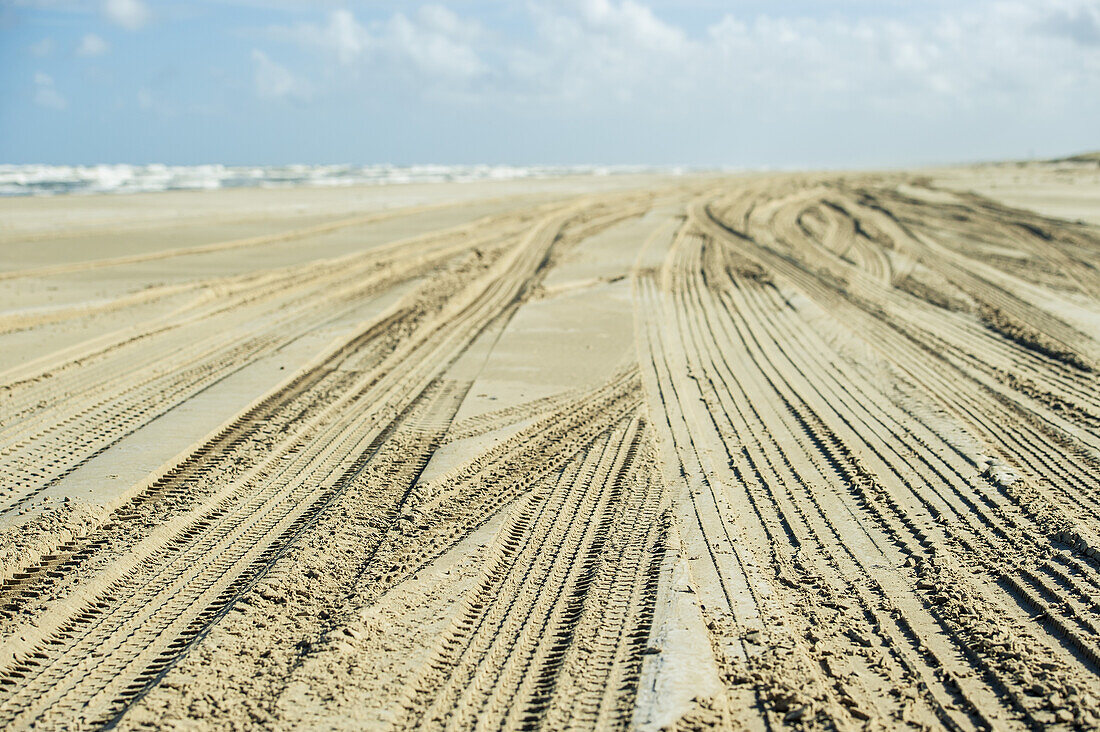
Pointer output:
x,y
819,451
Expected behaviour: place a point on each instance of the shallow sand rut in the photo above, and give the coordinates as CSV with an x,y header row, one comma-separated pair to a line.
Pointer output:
x,y
803,450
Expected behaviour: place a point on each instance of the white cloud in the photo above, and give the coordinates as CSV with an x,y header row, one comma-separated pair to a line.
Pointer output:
x,y
629,23
346,37
990,53
342,36
433,43
985,55
274,81
45,95
130,14
92,45
42,48
1079,22
600,49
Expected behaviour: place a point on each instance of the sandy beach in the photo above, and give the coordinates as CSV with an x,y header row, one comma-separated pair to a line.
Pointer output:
x,y
604,452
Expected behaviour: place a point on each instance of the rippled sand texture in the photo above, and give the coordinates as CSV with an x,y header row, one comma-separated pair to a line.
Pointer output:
x,y
809,450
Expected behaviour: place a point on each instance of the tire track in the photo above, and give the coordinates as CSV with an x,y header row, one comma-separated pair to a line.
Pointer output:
x,y
534,611
150,600
973,504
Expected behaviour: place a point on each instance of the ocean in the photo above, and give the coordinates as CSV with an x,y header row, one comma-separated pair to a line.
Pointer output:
x,y
51,180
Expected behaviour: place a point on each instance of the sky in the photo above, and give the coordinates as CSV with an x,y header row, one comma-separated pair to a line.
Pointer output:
x,y
733,83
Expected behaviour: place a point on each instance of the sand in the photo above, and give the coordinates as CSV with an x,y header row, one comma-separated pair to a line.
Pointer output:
x,y
808,450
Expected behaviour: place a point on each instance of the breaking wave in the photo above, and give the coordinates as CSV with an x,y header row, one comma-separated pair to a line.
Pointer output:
x,y
48,180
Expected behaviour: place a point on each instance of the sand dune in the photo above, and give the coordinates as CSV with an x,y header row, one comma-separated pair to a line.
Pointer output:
x,y
810,450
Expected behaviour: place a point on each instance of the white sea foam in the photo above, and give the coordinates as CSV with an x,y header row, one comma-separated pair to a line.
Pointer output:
x,y
49,180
